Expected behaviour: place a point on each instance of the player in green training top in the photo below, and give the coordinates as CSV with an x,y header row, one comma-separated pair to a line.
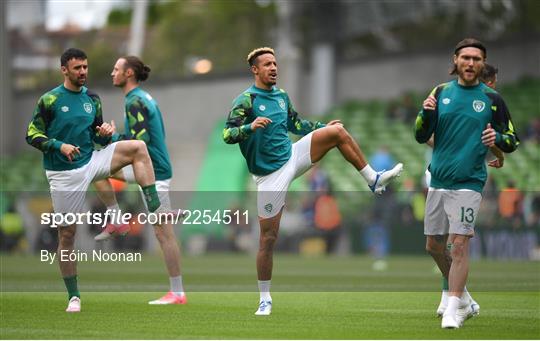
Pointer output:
x,y
259,121
437,245
65,124
466,117
144,122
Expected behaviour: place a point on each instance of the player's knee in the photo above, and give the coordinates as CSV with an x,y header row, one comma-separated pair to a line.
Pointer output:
x,y
161,236
434,248
342,135
140,147
268,240
66,237
458,251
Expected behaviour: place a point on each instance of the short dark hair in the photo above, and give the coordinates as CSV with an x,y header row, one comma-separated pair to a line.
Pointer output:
x,y
468,42
252,56
71,53
136,64
489,72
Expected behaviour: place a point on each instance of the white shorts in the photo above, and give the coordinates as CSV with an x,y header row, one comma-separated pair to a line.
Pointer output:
x,y
162,187
68,188
272,188
451,211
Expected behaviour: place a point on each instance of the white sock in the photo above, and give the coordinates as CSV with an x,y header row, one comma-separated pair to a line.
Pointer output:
x,y
264,290
444,297
368,174
176,285
453,303
466,296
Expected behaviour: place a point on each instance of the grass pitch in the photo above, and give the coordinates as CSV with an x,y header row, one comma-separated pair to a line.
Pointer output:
x,y
318,298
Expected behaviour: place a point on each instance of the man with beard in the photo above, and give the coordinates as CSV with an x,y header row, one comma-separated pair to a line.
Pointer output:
x,y
65,125
144,122
467,118
259,122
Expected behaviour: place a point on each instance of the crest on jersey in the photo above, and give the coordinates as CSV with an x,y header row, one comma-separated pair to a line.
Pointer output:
x,y
87,107
262,107
281,103
446,100
65,108
478,106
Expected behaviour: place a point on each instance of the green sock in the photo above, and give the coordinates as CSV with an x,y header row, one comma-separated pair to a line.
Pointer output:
x,y
445,283
151,197
445,280
71,286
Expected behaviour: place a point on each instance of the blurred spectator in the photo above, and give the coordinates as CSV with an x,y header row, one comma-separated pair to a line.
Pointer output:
x,y
318,179
382,159
376,237
11,230
327,219
511,204
531,209
533,133
403,111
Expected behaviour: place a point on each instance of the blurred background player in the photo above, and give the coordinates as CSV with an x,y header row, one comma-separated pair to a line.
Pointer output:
x,y
144,122
457,166
65,124
259,121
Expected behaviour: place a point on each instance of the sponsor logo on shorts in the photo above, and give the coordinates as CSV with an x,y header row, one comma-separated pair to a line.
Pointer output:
x,y
87,107
268,208
478,105
262,107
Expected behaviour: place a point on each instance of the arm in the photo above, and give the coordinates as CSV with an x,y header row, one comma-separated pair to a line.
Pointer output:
x,y
499,161
431,141
298,126
98,137
236,127
426,121
36,133
505,136
138,118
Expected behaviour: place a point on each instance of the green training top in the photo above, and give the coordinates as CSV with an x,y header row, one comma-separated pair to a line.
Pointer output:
x,y
461,114
266,149
143,121
64,116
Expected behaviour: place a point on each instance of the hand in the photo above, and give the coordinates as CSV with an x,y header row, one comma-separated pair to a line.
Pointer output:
x,y
69,151
497,163
430,103
489,136
260,122
334,122
106,129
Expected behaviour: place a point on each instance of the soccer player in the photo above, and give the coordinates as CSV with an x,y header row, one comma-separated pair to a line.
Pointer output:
x,y
466,117
65,124
489,77
259,121
144,122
